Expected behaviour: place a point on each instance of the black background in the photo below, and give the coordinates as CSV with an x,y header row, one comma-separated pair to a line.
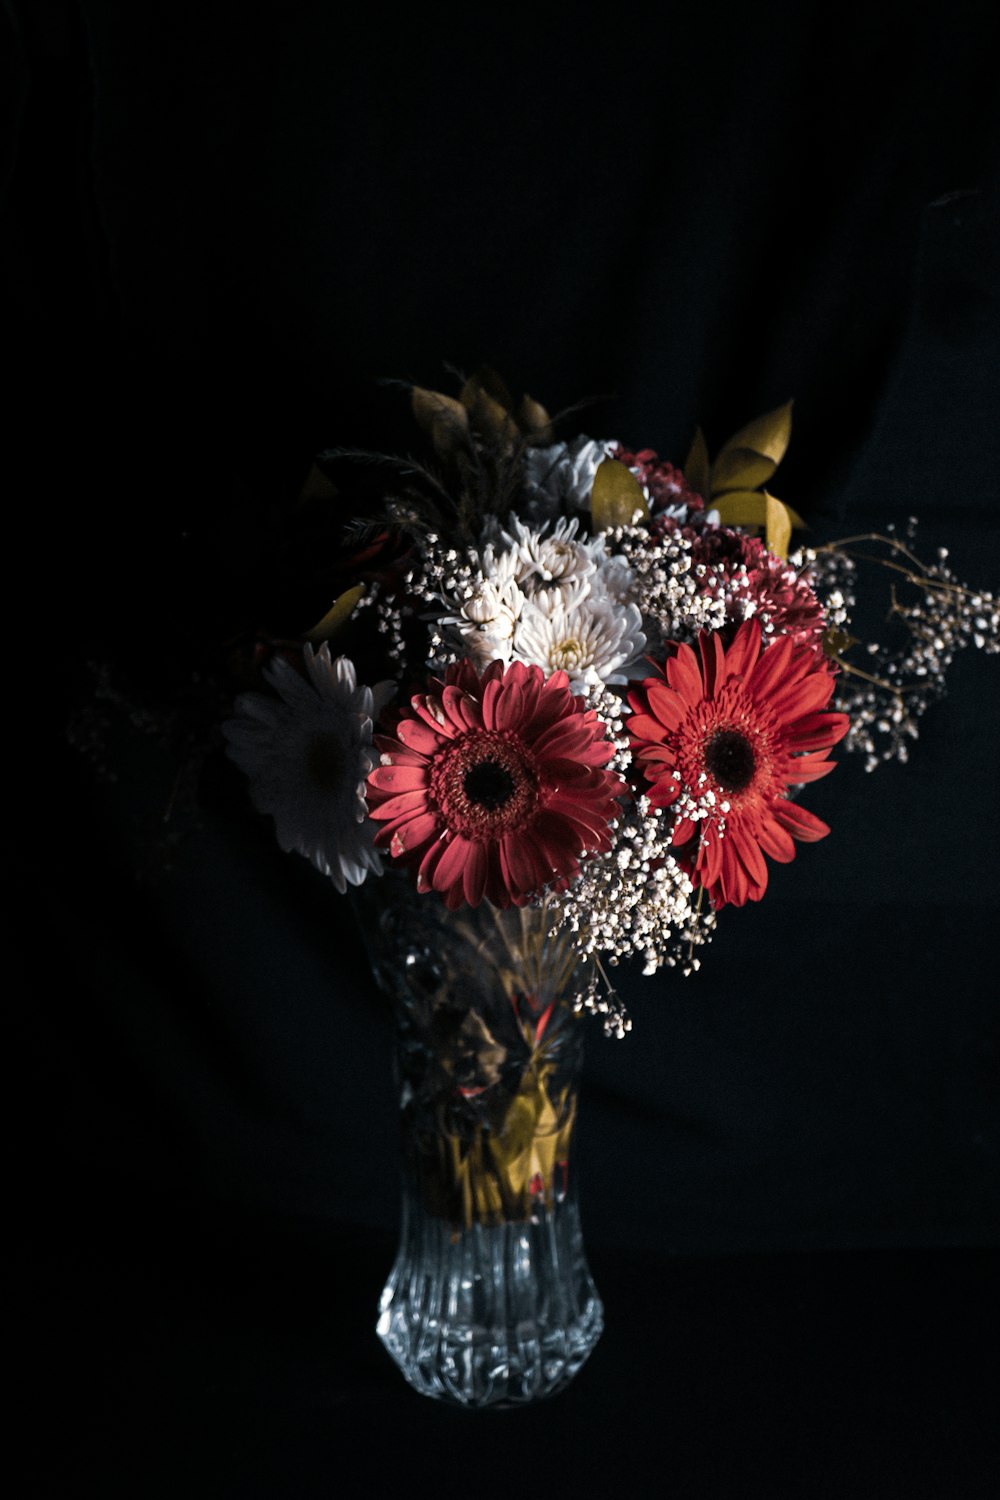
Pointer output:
x,y
221,228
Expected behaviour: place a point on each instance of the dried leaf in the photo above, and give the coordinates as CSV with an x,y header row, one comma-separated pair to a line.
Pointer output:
x,y
696,465
741,508
488,414
777,526
316,487
336,616
475,1046
767,435
740,469
836,642
616,497
487,379
535,421
444,419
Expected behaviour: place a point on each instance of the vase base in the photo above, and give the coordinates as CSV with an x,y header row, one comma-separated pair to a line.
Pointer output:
x,y
506,1316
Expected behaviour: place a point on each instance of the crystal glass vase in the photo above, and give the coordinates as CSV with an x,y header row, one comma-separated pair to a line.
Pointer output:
x,y
490,1301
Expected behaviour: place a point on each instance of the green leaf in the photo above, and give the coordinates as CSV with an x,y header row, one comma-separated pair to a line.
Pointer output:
x,y
337,615
767,435
616,497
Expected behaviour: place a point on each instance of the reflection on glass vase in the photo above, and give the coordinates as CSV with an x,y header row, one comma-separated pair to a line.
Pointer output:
x,y
490,1301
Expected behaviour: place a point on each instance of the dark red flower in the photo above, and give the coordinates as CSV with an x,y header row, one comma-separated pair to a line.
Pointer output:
x,y
722,739
665,485
739,570
494,787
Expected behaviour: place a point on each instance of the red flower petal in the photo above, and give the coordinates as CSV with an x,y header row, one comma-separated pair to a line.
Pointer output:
x,y
805,768
417,736
750,857
683,675
728,730
494,784
412,834
772,669
450,867
713,662
804,697
776,842
818,731
801,824
398,778
744,650
665,706
402,804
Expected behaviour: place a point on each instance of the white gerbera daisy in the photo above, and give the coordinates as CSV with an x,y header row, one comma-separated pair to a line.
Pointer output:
x,y
588,635
307,755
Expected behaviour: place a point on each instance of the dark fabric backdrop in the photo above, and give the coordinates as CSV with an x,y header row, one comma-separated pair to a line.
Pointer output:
x,y
222,226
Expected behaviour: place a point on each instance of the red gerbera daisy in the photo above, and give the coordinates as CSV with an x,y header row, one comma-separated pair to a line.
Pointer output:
x,y
723,739
495,786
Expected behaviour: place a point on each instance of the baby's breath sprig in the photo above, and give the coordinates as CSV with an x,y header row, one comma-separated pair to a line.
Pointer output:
x,y
939,615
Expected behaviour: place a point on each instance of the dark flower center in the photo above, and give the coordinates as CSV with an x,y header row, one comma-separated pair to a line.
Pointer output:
x,y
488,785
729,759
326,761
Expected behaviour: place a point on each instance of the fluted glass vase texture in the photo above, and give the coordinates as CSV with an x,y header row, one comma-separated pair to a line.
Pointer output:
x,y
490,1301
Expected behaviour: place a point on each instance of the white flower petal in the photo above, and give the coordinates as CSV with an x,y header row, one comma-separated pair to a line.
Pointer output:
x,y
589,636
306,755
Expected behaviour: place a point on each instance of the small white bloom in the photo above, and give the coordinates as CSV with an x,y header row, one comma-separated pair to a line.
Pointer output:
x,y
307,755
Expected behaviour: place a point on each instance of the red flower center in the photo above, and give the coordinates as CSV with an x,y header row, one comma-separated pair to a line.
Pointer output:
x,y
486,784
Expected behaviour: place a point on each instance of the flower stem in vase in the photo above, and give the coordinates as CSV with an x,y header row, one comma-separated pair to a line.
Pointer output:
x,y
490,1301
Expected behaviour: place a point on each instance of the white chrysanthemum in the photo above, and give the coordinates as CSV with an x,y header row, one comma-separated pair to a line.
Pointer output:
x,y
490,608
561,477
588,635
307,755
546,561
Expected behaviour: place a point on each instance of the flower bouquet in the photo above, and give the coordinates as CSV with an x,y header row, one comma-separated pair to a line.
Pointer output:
x,y
596,690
